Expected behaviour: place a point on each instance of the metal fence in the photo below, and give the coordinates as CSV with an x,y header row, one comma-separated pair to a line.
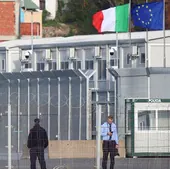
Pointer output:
x,y
58,98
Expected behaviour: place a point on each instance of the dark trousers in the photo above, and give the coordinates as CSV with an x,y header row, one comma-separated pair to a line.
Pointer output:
x,y
108,147
37,152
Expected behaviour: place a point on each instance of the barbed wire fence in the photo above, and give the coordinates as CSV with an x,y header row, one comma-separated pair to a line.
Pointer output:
x,y
45,101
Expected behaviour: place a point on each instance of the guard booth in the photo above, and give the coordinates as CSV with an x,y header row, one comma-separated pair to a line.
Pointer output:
x,y
150,127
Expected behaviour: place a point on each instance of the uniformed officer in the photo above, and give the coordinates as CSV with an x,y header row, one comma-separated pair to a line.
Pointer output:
x,y
110,142
37,142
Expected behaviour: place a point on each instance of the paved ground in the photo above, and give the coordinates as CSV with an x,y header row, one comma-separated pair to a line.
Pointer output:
x,y
154,163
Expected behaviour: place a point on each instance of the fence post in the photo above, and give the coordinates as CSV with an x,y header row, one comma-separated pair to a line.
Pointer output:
x,y
9,138
98,134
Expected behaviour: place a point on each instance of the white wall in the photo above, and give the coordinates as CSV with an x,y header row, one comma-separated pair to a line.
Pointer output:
x,y
50,5
156,53
13,60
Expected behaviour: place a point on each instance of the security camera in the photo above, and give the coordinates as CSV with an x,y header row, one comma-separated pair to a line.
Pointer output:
x,y
112,51
27,55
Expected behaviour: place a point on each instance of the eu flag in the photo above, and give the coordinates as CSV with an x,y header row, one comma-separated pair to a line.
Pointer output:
x,y
148,15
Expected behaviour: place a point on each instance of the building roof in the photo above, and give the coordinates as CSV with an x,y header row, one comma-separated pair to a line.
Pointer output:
x,y
29,4
84,40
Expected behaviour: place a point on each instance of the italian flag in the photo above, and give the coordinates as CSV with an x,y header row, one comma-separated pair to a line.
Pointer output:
x,y
115,19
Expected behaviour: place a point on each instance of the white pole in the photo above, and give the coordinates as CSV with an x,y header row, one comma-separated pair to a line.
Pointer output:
x,y
70,111
98,134
80,115
59,130
38,97
117,53
32,47
28,90
164,40
49,99
9,138
130,25
18,115
9,129
147,60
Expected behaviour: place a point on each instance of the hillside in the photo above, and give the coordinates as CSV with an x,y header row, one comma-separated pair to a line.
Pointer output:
x,y
76,17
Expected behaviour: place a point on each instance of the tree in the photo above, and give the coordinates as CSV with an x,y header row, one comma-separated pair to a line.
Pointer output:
x,y
80,12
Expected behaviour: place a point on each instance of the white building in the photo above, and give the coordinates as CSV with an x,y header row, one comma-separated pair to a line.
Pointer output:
x,y
134,75
50,5
86,51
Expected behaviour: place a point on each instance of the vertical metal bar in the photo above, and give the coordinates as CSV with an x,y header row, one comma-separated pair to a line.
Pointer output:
x,y
69,110
19,115
28,90
115,100
80,115
108,100
164,40
32,46
38,97
147,59
87,109
49,95
59,130
98,131
130,38
117,46
9,128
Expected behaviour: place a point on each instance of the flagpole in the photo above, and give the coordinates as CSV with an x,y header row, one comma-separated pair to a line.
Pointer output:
x,y
117,47
130,42
164,45
147,60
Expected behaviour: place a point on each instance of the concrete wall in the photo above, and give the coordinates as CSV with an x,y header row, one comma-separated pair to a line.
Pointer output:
x,y
78,149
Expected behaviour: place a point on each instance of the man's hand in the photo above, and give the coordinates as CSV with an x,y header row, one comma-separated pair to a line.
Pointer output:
x,y
109,133
117,146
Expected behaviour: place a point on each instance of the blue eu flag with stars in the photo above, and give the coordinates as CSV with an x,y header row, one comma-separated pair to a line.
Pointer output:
x,y
148,15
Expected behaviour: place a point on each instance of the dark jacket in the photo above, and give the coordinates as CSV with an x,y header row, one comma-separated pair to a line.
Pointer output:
x,y
37,137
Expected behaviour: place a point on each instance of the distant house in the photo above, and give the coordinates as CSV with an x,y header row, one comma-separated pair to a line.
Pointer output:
x,y
30,12
50,5
16,22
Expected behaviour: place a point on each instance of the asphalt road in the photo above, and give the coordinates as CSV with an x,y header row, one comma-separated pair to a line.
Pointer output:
x,y
139,163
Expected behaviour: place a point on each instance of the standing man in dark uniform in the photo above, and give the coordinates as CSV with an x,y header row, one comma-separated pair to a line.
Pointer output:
x,y
110,142
37,142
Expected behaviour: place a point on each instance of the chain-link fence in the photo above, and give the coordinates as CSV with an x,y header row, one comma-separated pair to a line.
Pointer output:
x,y
60,100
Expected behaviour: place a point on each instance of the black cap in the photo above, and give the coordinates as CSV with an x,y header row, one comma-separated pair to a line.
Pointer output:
x,y
37,120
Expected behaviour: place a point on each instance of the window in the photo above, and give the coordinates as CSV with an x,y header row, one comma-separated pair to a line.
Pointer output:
x,y
52,66
112,62
129,120
64,65
42,4
101,69
89,64
77,64
27,65
128,59
163,120
147,120
3,64
142,58
40,66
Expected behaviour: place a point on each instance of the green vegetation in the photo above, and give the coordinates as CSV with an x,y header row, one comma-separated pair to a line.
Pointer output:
x,y
78,14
